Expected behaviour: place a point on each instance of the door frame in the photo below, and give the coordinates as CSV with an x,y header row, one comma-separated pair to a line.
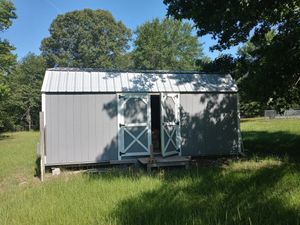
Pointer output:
x,y
177,126
121,124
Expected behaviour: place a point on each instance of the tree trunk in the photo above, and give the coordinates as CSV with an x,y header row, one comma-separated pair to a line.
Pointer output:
x,y
28,119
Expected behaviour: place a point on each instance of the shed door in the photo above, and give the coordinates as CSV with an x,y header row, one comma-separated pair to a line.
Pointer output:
x,y
134,124
170,119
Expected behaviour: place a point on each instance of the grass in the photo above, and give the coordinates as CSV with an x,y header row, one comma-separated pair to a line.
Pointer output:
x,y
279,137
264,189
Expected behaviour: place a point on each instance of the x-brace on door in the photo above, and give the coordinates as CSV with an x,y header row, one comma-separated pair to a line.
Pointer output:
x,y
134,118
170,124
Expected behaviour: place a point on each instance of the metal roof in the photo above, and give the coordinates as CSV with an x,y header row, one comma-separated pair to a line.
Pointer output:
x,y
89,80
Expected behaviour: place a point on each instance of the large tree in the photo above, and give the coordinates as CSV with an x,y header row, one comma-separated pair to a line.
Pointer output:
x,y
86,38
166,44
268,75
272,27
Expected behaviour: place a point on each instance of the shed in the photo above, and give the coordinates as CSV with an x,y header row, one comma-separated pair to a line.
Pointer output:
x,y
95,116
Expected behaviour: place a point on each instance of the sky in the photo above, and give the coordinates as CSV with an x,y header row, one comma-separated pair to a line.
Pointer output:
x,y
35,17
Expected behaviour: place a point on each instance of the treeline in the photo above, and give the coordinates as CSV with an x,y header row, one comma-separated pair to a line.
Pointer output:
x,y
94,39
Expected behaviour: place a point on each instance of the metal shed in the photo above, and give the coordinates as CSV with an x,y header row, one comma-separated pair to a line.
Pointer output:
x,y
93,116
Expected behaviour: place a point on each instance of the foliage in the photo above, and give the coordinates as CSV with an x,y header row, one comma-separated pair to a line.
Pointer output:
x,y
250,191
223,64
86,38
5,93
251,109
166,45
269,61
7,59
268,76
7,14
231,21
25,83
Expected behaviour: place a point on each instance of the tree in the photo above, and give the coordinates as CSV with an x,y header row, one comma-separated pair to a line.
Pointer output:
x,y
267,76
86,38
231,21
7,59
25,84
273,30
166,45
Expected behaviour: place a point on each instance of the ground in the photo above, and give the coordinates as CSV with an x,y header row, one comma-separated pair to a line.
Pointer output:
x,y
262,189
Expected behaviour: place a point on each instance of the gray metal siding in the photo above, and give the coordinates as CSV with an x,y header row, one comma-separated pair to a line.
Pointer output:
x,y
209,124
81,128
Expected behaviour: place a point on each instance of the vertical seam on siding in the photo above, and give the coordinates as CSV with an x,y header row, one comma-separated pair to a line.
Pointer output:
x,y
58,82
67,78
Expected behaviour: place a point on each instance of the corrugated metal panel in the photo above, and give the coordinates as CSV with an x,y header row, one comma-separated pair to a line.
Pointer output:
x,y
70,86
81,128
94,82
78,82
102,82
209,123
72,80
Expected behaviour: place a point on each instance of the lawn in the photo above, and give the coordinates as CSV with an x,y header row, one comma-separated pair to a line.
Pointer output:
x,y
279,137
263,189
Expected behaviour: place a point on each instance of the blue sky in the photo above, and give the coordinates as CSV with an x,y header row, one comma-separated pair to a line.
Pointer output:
x,y
35,17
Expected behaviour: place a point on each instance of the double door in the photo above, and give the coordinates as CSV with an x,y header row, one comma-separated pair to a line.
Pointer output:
x,y
134,120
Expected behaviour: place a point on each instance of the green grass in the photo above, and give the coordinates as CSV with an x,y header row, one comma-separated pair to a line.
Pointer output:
x,y
259,190
279,137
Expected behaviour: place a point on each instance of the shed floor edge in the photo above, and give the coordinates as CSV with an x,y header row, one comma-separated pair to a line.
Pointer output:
x,y
90,164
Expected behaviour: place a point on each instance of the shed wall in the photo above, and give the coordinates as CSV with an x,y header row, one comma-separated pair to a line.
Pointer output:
x,y
209,124
81,128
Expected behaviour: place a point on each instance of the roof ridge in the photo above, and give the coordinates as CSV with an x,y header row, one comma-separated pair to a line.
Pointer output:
x,y
132,71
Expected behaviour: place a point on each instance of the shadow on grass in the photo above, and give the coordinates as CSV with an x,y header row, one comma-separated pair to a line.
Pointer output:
x,y
246,120
5,137
272,144
209,196
37,168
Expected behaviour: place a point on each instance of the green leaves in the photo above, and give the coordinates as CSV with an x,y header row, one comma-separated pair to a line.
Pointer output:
x,y
92,38
268,65
25,84
20,96
231,21
86,38
7,60
7,13
166,45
